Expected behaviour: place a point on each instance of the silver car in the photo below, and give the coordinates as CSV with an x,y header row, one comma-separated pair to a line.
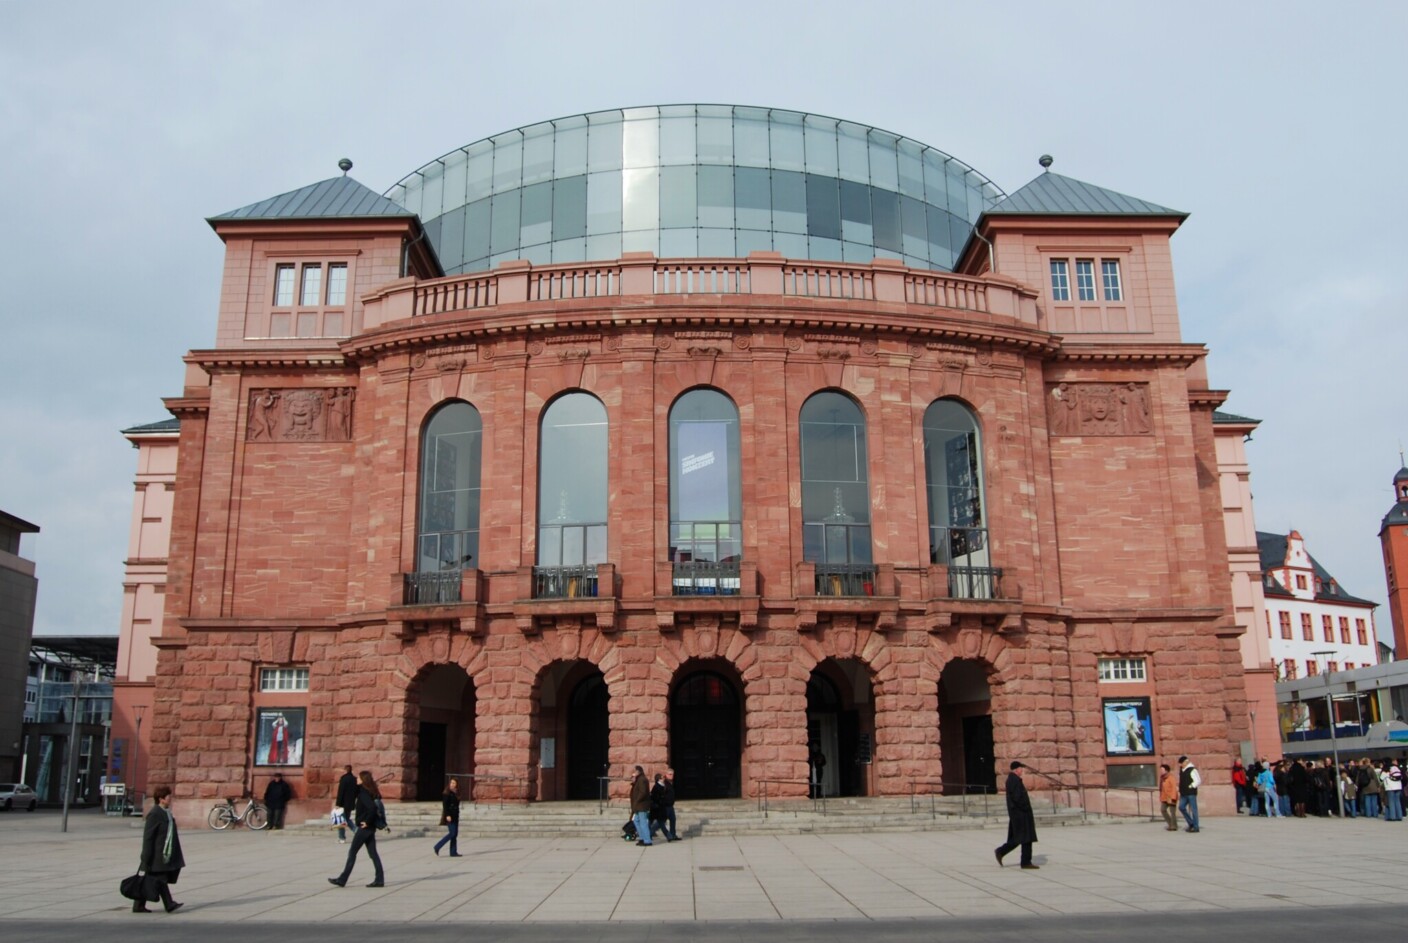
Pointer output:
x,y
18,796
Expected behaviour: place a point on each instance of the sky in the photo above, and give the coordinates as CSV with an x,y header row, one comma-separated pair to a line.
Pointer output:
x,y
1279,126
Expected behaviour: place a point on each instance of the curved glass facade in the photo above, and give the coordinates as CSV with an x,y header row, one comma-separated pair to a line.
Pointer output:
x,y
696,181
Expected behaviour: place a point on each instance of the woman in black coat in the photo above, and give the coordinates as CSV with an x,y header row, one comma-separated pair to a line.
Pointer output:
x,y
450,818
161,854
365,815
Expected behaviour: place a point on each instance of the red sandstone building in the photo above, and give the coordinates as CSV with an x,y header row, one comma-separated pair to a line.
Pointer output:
x,y
898,469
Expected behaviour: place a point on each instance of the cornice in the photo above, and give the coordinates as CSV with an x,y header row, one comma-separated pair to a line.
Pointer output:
x,y
182,406
1209,399
1182,354
244,357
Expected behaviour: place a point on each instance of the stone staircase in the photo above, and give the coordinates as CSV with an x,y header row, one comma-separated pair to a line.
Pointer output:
x,y
721,817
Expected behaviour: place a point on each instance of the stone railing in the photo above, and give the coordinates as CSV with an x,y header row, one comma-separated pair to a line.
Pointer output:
x,y
762,273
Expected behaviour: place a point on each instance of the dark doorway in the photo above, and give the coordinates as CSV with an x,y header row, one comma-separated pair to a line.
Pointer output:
x,y
835,729
431,778
706,736
588,737
978,766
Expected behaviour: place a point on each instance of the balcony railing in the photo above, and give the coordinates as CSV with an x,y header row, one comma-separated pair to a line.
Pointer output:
x,y
429,589
706,578
565,582
845,579
974,582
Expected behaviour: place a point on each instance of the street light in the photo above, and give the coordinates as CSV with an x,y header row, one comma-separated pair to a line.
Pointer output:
x,y
1334,739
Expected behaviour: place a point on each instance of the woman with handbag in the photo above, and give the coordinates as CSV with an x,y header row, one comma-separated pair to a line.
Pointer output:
x,y
367,814
161,855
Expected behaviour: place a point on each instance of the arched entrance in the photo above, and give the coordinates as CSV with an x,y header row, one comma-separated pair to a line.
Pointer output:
x,y
573,730
841,726
965,728
444,699
706,735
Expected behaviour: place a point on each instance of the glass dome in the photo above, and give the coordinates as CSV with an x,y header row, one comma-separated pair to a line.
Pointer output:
x,y
696,181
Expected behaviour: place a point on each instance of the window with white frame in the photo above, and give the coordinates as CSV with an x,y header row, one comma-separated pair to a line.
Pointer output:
x,y
1110,276
309,300
1060,280
1122,669
283,679
1085,279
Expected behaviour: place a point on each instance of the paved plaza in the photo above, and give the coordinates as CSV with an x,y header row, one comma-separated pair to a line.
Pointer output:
x,y
1096,882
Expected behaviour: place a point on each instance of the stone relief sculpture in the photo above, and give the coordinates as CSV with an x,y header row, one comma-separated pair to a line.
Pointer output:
x,y
301,415
1099,409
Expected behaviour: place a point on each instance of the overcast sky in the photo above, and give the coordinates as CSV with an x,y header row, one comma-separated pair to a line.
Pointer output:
x,y
1279,126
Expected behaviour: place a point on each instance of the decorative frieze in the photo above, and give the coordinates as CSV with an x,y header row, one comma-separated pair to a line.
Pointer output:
x,y
300,415
1099,409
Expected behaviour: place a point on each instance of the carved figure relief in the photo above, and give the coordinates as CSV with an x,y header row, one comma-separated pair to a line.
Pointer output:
x,y
301,415
1099,409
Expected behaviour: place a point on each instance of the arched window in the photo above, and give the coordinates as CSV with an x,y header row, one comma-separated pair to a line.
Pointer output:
x,y
450,464
953,478
571,495
836,495
706,507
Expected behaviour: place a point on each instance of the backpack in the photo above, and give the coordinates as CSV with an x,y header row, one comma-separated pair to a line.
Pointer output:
x,y
379,820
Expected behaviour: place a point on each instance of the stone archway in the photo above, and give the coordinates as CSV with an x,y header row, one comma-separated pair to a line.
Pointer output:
x,y
841,726
706,731
442,703
966,727
573,730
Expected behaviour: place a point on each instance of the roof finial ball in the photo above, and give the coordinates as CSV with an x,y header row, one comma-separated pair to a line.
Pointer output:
x,y
344,165
1045,160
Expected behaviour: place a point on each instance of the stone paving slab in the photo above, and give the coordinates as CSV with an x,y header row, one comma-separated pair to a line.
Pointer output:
x,y
1137,869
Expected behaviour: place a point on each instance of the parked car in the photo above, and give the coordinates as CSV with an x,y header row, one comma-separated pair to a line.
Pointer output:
x,y
18,796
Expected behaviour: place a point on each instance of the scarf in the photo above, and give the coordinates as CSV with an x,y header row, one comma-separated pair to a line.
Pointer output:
x,y
167,848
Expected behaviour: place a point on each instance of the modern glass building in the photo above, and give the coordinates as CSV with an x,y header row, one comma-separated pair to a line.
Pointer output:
x,y
696,181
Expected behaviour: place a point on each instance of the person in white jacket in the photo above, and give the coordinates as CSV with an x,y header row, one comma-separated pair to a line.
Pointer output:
x,y
1392,780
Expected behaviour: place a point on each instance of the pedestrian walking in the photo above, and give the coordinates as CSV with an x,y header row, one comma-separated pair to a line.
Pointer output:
x,y
162,860
667,808
1168,797
368,815
640,807
1021,822
450,818
1189,779
346,799
276,797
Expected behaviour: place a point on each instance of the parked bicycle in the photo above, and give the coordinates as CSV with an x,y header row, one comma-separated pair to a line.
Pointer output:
x,y
255,815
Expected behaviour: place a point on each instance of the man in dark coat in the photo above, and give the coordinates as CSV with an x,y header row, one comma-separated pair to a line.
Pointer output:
x,y
1021,823
276,797
640,806
346,799
161,854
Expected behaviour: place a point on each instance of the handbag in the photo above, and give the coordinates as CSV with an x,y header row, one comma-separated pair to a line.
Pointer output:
x,y
133,888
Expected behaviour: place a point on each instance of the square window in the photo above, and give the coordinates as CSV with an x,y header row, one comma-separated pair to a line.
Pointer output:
x,y
1110,276
1085,279
1060,281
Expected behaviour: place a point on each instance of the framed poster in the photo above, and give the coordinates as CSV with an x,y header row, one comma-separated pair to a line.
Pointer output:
x,y
278,739
1129,728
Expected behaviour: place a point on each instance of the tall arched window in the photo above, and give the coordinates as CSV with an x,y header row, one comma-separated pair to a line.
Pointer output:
x,y
953,477
836,495
571,495
706,506
450,463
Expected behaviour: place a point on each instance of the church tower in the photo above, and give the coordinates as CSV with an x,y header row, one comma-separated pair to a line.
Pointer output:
x,y
1393,534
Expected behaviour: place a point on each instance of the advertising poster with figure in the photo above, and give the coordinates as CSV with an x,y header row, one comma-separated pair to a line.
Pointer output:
x,y
1129,728
279,737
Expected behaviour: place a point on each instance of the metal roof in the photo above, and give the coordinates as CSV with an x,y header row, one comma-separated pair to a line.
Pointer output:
x,y
78,650
166,425
1219,416
17,523
334,198
1056,195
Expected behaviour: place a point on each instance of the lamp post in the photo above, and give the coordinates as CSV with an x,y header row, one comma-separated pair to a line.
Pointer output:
x,y
72,746
1334,739
137,709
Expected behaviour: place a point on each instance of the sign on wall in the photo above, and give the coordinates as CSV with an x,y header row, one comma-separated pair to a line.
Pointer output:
x,y
279,736
1129,726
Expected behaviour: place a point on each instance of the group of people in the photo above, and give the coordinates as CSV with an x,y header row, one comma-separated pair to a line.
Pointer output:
x,y
1295,787
1178,794
653,806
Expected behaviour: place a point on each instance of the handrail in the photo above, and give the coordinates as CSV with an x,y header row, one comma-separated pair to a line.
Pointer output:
x,y
499,778
1063,789
818,801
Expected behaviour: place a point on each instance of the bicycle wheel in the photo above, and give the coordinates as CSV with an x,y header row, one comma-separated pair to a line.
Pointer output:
x,y
221,818
257,817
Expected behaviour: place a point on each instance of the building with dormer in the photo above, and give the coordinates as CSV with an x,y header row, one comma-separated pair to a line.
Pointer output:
x,y
707,437
1313,624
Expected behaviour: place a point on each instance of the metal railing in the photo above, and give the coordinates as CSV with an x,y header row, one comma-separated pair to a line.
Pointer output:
x,y
974,582
498,779
430,588
982,798
565,582
705,578
818,801
845,579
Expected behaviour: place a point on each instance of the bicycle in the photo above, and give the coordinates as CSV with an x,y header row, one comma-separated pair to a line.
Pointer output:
x,y
255,815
